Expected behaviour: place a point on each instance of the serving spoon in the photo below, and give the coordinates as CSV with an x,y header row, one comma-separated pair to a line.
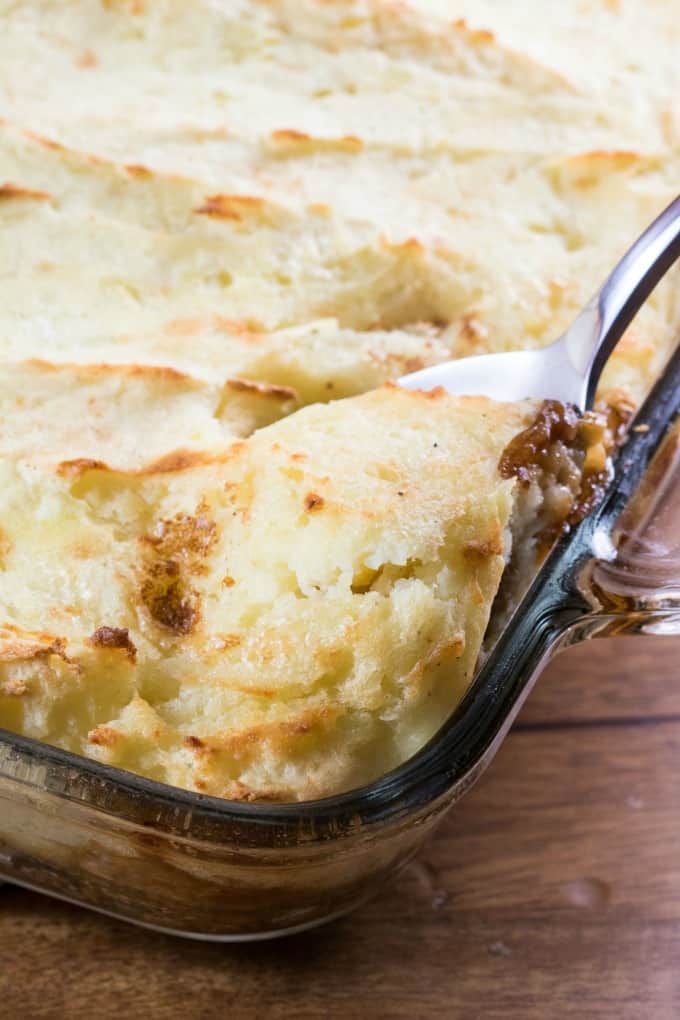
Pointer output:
x,y
569,369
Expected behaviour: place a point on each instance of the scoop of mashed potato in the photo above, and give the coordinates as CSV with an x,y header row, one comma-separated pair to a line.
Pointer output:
x,y
282,618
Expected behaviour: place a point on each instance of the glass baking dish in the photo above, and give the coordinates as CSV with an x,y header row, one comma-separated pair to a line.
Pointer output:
x,y
208,868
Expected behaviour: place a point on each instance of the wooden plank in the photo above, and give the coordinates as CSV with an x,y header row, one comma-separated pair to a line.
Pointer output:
x,y
552,889
604,679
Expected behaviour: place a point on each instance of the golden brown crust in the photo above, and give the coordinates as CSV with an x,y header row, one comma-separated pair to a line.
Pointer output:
x,y
169,601
483,548
115,637
290,142
9,191
228,207
313,502
79,466
175,552
103,736
176,460
262,389
28,647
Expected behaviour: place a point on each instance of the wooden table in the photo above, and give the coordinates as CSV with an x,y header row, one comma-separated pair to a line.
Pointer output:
x,y
553,890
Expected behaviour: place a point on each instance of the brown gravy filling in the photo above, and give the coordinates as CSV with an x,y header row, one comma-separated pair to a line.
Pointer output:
x,y
592,437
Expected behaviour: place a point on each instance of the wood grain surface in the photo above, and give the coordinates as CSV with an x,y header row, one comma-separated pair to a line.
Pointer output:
x,y
552,890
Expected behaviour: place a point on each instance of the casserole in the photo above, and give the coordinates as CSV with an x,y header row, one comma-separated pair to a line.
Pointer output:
x,y
214,205
207,868
209,224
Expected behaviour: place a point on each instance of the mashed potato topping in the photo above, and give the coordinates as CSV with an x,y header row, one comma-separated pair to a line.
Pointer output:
x,y
214,214
280,618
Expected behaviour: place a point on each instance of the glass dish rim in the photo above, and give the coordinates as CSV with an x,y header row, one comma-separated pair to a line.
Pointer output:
x,y
550,607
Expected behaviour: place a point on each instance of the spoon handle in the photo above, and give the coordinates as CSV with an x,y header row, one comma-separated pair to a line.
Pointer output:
x,y
597,330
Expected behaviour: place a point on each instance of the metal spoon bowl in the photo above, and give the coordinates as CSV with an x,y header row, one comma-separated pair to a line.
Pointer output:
x,y
569,369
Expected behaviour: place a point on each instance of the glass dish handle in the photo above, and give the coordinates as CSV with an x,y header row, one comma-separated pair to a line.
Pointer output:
x,y
637,588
